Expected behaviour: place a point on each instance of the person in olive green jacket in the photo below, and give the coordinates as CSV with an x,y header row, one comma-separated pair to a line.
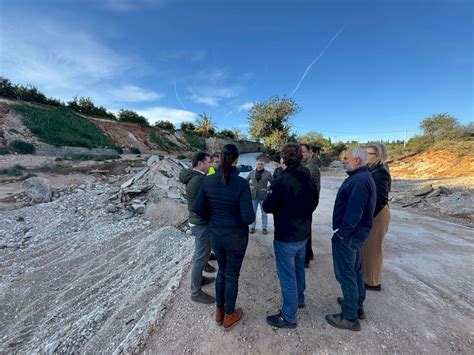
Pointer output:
x,y
259,180
312,164
193,179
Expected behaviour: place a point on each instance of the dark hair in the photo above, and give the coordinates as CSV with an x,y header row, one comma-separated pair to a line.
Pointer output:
x,y
215,155
291,154
199,156
307,146
228,155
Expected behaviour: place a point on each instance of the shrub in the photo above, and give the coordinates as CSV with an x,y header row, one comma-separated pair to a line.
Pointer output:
x,y
133,117
165,125
17,170
195,141
21,147
83,157
4,151
226,133
180,156
119,149
188,126
135,150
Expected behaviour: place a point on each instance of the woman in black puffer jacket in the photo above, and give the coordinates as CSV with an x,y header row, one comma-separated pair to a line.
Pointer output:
x,y
372,250
225,200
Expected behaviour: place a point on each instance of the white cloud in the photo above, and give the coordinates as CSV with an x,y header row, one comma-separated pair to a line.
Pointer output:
x,y
245,107
211,95
127,5
175,116
131,93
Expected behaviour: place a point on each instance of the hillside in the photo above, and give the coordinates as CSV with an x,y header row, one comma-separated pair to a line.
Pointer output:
x,y
50,127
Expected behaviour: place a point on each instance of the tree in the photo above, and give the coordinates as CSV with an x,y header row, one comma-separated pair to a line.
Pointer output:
x,y
204,125
442,125
165,125
270,121
188,126
7,89
226,133
132,116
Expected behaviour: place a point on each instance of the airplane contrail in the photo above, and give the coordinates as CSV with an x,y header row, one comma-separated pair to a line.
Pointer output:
x,y
316,59
177,96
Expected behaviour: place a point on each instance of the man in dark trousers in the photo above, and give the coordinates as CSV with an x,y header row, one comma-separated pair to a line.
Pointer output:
x,y
313,164
352,221
292,200
193,179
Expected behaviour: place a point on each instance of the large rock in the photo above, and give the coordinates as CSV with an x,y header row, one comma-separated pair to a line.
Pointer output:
x,y
38,189
425,190
152,160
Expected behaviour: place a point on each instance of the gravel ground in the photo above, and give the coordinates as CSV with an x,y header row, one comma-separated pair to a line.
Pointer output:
x,y
426,304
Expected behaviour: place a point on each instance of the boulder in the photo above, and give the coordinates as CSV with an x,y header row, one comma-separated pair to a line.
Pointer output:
x,y
38,189
434,193
425,190
152,160
446,191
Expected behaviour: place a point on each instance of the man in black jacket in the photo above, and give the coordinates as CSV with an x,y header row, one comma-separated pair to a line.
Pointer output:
x,y
352,219
193,179
292,200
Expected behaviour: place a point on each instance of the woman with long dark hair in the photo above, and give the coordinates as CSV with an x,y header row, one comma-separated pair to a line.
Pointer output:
x,y
225,200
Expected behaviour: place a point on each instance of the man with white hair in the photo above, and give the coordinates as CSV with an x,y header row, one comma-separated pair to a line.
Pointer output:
x,y
352,221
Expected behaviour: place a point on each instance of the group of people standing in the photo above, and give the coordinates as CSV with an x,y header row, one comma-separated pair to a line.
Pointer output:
x,y
222,206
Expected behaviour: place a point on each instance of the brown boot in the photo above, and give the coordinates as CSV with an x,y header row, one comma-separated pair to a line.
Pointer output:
x,y
220,315
230,320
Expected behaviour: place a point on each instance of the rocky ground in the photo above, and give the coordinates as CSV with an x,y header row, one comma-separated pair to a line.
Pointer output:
x,y
98,262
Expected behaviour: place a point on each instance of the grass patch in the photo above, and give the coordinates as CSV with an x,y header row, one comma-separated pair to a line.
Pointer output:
x,y
17,170
86,157
163,142
195,142
59,126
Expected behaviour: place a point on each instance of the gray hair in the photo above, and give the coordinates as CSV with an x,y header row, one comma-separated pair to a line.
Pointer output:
x,y
381,149
361,153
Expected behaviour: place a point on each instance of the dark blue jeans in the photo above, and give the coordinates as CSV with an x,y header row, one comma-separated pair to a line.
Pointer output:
x,y
348,271
289,259
230,252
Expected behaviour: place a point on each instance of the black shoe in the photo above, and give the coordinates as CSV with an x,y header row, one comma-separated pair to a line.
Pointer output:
x,y
207,280
373,288
212,257
203,297
278,321
209,268
360,311
338,321
301,305
252,230
306,266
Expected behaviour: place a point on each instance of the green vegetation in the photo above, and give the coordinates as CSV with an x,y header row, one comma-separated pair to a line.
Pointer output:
x,y
25,93
270,121
195,141
17,170
188,126
133,117
85,106
59,126
85,157
21,147
4,151
167,125
225,133
205,126
180,157
135,150
163,142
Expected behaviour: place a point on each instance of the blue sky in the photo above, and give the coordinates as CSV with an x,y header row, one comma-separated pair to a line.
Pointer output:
x,y
392,64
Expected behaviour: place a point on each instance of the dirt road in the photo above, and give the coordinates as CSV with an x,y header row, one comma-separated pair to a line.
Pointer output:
x,y
426,304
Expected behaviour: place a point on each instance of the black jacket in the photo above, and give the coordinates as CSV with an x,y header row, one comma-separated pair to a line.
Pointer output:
x,y
355,204
227,207
383,184
292,200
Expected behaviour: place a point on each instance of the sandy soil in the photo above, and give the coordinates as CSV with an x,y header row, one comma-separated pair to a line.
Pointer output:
x,y
426,304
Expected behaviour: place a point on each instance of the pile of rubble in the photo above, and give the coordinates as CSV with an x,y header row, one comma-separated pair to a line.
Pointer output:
x,y
75,271
446,201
